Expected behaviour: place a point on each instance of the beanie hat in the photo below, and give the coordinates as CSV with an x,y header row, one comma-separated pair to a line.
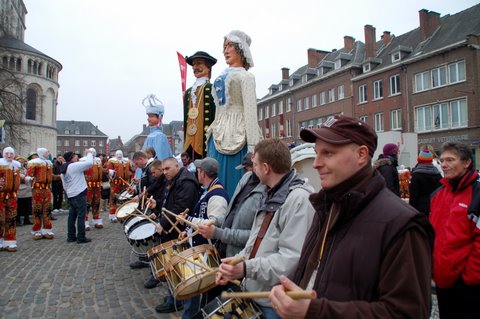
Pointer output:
x,y
68,156
390,149
425,156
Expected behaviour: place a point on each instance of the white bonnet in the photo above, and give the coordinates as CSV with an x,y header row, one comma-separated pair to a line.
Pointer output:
x,y
244,41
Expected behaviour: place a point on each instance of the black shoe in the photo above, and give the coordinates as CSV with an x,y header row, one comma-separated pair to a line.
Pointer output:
x,y
139,264
53,218
83,241
167,308
151,283
71,240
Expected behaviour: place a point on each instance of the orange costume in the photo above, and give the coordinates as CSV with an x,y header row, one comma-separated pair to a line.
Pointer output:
x,y
93,176
119,172
40,173
9,183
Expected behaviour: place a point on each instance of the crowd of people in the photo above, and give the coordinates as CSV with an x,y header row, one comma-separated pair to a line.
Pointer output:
x,y
356,248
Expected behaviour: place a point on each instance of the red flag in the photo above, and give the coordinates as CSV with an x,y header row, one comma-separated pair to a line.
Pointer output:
x,y
183,71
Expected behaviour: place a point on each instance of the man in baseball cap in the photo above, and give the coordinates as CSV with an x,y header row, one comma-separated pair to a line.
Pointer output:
x,y
361,229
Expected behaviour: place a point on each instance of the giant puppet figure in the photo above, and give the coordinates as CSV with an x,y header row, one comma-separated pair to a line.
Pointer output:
x,y
40,173
94,176
198,105
156,138
119,173
9,183
235,129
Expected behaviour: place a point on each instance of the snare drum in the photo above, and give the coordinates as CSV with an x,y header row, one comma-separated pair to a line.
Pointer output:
x,y
187,279
231,308
160,255
141,235
125,210
125,195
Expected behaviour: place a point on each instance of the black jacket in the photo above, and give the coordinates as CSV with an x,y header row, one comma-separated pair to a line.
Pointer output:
x,y
425,180
389,172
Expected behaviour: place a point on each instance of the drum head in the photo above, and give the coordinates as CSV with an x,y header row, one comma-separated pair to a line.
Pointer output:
x,y
231,308
126,209
131,222
125,195
141,230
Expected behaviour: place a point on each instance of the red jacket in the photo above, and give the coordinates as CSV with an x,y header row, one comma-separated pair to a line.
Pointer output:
x,y
456,251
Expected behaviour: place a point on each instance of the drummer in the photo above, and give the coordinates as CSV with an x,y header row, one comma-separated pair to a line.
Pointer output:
x,y
210,209
281,223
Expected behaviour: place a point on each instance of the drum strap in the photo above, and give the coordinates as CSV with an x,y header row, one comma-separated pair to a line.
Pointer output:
x,y
261,233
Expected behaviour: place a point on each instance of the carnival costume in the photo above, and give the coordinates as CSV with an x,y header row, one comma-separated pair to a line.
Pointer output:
x,y
119,173
10,175
156,138
198,110
235,129
94,176
40,171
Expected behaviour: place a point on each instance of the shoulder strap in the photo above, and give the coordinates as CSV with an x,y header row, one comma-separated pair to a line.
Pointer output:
x,y
261,233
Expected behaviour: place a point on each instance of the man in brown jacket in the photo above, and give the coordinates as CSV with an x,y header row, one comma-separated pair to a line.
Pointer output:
x,y
367,254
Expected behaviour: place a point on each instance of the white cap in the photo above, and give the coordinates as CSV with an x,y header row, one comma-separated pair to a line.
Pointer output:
x,y
243,41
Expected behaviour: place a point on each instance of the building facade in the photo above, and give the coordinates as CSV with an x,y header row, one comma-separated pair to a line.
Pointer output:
x,y
28,83
76,136
425,82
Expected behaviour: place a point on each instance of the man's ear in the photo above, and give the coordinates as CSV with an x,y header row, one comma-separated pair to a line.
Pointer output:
x,y
363,154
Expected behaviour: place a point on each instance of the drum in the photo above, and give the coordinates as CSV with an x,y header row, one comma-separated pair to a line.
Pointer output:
x,y
160,255
231,308
125,196
187,279
141,235
125,210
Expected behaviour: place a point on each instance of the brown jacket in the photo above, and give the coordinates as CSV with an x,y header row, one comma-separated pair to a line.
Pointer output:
x,y
377,255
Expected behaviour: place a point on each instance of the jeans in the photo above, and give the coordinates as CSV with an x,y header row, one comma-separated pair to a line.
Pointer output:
x,y
77,212
269,313
191,306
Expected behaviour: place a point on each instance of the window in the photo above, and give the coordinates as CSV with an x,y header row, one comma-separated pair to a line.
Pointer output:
x,y
395,84
322,98
59,143
378,90
341,92
456,72
93,143
299,105
422,81
77,143
439,77
396,120
362,94
459,113
260,113
396,57
267,111
274,109
366,68
310,124
280,107
288,107
31,104
364,118
331,95
85,143
77,131
66,143
338,64
289,128
100,143
319,122
66,132
274,129
379,122
314,100
441,116
306,103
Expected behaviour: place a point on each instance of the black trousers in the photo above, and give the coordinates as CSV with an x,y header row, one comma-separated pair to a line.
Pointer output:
x,y
57,197
24,208
459,301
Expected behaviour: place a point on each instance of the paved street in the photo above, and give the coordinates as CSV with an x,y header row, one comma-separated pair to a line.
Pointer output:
x,y
56,279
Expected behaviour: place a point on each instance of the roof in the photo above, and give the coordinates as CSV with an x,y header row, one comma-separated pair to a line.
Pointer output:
x,y
83,127
15,44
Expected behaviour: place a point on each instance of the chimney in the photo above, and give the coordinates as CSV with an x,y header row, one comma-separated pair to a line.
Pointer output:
x,y
429,22
369,41
386,37
312,58
285,73
348,43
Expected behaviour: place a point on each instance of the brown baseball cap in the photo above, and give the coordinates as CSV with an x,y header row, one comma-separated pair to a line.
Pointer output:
x,y
342,129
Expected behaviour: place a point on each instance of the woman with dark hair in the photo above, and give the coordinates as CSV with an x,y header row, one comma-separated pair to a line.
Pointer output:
x,y
455,218
235,130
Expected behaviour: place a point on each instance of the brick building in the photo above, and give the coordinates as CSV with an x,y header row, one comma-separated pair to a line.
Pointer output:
x,y
76,136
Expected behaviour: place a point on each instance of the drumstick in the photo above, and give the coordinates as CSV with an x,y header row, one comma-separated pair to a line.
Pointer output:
x,y
173,225
193,225
143,197
125,182
145,216
294,294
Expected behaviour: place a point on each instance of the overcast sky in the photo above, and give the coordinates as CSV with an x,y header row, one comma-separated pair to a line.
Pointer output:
x,y
116,52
